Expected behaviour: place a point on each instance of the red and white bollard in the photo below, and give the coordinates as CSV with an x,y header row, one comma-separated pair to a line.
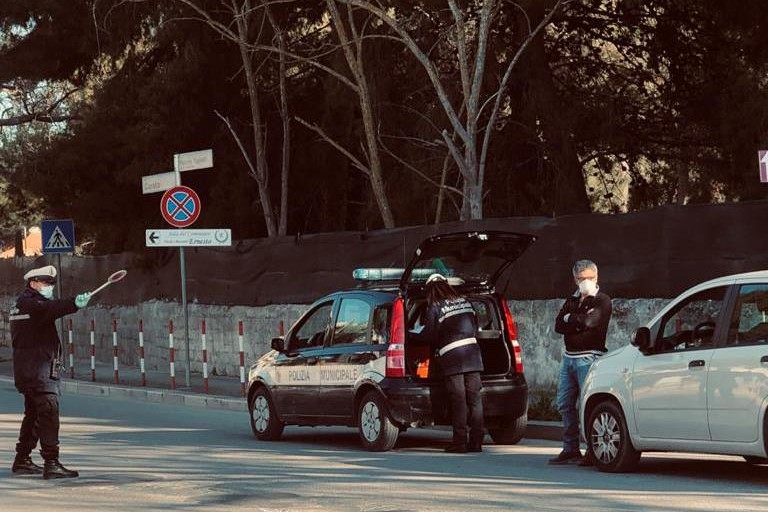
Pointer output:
x,y
141,354
93,351
242,357
205,357
114,350
171,354
71,351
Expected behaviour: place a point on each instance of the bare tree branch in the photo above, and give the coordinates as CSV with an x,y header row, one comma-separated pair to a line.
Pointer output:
x,y
352,158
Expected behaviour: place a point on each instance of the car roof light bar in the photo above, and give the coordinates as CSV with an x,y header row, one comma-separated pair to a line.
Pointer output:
x,y
390,274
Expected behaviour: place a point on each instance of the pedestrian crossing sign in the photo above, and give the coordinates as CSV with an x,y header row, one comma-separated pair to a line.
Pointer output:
x,y
58,236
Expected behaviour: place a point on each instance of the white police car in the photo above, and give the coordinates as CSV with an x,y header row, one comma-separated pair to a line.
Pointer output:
x,y
695,379
352,359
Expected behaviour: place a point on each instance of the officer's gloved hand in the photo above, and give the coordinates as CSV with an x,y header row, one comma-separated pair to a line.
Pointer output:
x,y
82,300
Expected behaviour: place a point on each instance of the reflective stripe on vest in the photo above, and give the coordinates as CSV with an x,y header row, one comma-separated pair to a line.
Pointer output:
x,y
456,344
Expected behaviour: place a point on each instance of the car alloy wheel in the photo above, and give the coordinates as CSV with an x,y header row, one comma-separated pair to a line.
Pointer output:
x,y
370,422
377,431
606,438
260,413
265,423
609,440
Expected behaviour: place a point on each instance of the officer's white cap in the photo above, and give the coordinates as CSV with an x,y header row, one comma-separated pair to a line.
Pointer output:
x,y
48,271
436,277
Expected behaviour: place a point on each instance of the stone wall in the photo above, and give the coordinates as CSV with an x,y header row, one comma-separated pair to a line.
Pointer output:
x,y
542,347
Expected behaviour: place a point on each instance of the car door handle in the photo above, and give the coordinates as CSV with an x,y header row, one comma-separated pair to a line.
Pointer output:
x,y
764,359
696,363
311,360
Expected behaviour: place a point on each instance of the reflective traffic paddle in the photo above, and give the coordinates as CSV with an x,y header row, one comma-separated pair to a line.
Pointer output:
x,y
115,277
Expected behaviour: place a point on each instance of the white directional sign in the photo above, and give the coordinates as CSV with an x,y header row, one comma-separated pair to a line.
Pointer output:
x,y
188,237
193,160
158,182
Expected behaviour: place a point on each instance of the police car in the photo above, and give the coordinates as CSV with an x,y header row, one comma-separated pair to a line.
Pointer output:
x,y
355,358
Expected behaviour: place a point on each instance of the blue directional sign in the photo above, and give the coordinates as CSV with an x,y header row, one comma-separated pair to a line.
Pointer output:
x,y
58,236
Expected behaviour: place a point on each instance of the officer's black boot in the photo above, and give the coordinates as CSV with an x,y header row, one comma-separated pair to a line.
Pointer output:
x,y
25,466
54,469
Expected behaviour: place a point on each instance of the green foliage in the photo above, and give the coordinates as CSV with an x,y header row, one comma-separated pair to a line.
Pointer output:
x,y
541,403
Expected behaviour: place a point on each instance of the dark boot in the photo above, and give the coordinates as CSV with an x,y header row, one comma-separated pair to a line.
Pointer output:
x,y
475,446
54,469
25,466
456,448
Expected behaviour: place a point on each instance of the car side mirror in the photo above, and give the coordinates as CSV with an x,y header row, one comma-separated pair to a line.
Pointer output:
x,y
642,339
278,344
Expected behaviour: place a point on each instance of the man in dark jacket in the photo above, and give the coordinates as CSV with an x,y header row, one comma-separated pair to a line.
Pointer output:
x,y
583,322
450,326
36,364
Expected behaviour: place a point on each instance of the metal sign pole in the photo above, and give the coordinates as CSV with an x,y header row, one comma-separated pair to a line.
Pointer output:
x,y
59,294
183,269
186,314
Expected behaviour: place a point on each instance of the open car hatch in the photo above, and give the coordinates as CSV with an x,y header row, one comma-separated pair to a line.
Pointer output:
x,y
467,259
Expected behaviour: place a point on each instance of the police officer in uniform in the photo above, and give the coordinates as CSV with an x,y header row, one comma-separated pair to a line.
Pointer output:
x,y
36,365
450,326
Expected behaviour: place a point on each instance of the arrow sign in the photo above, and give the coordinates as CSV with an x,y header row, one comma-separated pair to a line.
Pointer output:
x,y
221,237
762,157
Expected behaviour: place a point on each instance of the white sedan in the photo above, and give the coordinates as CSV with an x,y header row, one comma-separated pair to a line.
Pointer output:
x,y
695,379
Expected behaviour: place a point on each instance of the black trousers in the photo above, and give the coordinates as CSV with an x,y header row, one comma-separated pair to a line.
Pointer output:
x,y
466,407
40,423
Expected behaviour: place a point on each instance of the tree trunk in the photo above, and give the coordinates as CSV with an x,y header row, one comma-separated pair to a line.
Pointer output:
x,y
568,189
258,132
285,117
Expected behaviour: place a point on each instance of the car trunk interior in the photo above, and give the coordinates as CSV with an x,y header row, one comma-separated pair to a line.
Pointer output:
x,y
490,337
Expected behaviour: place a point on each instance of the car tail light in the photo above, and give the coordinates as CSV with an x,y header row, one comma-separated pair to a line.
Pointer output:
x,y
396,349
517,350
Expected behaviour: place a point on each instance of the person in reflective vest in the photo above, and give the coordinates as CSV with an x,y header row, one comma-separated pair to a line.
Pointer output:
x,y
36,365
450,326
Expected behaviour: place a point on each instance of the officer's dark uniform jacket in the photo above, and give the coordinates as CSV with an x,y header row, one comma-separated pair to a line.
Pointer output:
x,y
36,340
587,325
450,327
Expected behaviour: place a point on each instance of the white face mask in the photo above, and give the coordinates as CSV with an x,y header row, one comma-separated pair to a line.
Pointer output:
x,y
47,291
587,287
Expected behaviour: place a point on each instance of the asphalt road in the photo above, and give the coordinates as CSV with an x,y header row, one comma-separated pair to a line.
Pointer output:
x,y
135,455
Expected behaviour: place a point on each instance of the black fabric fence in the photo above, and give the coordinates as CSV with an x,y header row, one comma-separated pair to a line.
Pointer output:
x,y
653,253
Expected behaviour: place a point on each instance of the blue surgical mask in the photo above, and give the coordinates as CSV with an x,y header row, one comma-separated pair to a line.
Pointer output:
x,y
47,291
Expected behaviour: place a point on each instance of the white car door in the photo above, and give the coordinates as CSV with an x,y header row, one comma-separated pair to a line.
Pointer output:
x,y
669,384
738,375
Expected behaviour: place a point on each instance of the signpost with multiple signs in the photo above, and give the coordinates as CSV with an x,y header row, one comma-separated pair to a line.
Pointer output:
x,y
180,207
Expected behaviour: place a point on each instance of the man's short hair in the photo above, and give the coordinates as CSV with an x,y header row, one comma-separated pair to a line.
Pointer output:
x,y
583,265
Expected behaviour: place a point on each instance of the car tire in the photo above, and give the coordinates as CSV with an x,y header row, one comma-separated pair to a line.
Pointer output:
x,y
265,423
378,432
608,437
511,431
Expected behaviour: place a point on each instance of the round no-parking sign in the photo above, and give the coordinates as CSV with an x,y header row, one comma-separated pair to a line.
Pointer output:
x,y
180,206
